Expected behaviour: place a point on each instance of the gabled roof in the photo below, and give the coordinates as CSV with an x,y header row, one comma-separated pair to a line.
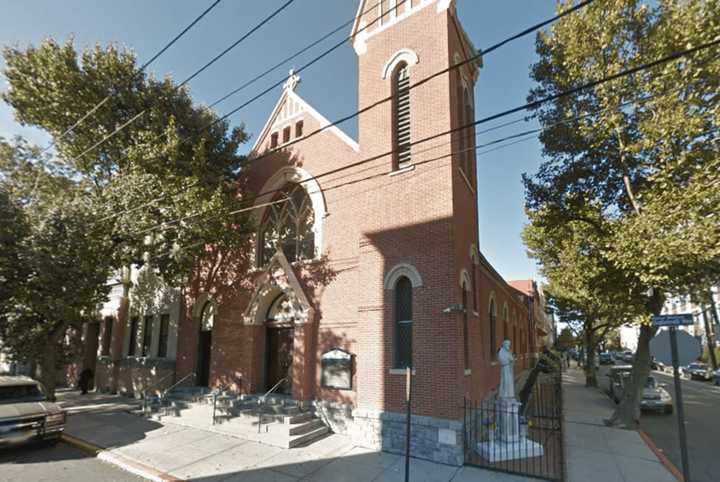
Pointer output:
x,y
523,285
291,105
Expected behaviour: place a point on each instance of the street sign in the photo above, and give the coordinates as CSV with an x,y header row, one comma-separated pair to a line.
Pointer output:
x,y
689,348
673,320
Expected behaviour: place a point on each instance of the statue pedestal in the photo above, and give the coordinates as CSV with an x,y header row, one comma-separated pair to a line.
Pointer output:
x,y
508,443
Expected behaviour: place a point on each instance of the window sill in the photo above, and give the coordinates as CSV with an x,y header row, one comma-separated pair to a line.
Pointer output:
x,y
467,181
400,371
468,372
402,170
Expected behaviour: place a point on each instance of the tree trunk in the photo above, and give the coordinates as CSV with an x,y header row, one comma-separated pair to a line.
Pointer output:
x,y
118,333
709,337
48,368
590,371
627,413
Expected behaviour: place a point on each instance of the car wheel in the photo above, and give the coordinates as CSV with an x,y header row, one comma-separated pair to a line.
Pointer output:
x,y
669,410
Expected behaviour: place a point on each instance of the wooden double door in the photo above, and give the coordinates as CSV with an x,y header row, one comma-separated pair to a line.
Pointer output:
x,y
279,355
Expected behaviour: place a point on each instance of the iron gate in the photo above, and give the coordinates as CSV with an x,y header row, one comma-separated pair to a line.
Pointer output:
x,y
540,425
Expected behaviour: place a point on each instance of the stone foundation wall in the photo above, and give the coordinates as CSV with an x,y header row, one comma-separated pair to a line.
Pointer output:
x,y
337,416
436,439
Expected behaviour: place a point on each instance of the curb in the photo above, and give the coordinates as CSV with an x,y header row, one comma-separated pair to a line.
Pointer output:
x,y
660,455
86,447
124,463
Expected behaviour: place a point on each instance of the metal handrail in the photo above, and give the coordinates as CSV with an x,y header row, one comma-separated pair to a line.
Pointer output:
x,y
153,386
261,400
191,374
275,387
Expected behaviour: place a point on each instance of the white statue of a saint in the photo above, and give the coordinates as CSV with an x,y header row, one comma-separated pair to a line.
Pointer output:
x,y
507,380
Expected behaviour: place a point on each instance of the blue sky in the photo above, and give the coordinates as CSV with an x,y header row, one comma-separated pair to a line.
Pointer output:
x,y
330,85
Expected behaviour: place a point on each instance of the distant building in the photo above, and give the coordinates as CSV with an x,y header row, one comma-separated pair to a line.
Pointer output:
x,y
702,313
544,325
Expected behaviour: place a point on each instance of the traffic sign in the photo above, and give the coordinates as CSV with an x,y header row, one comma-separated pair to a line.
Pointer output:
x,y
689,348
673,320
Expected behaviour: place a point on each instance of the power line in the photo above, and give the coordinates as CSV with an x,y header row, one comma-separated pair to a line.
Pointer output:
x,y
283,62
142,69
267,90
238,41
427,79
486,119
423,81
192,76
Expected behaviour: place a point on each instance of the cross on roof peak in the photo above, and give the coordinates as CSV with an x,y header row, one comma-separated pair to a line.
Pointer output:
x,y
292,81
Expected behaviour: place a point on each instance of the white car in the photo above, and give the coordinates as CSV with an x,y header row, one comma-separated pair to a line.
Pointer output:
x,y
656,397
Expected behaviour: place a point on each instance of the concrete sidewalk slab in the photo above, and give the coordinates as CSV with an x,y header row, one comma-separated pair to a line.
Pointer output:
x,y
595,452
74,402
167,452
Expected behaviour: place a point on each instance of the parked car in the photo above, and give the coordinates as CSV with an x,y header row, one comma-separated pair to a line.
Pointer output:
x,y
656,397
25,413
656,365
606,358
617,383
699,371
717,377
628,357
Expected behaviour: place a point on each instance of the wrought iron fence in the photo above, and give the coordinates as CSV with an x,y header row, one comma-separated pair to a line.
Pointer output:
x,y
506,437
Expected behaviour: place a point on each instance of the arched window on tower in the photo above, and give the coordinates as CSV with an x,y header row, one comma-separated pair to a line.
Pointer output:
x,y
403,323
466,333
288,224
401,116
470,137
492,314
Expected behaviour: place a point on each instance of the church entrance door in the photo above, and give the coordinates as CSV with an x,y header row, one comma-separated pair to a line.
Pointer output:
x,y
279,352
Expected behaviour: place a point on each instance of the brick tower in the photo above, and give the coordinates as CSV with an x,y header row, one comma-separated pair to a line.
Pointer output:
x,y
418,225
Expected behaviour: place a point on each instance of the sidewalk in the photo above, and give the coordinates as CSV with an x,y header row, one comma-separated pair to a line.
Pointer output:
x,y
595,452
73,402
168,451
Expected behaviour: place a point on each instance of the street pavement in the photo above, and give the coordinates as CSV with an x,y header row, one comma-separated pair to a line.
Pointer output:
x,y
702,422
702,415
60,463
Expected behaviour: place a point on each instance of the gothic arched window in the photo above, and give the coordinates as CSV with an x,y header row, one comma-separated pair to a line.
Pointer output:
x,y
403,323
288,224
401,116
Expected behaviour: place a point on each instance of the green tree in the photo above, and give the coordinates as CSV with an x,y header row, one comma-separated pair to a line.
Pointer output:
x,y
566,339
639,153
173,159
163,184
54,265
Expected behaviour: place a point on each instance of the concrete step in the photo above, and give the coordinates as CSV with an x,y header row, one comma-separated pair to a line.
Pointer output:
x,y
305,427
299,418
307,438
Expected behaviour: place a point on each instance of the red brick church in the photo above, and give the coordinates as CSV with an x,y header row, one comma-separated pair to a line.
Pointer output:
x,y
357,274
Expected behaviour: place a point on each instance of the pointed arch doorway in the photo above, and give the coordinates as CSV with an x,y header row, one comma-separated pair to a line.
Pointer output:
x,y
279,344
